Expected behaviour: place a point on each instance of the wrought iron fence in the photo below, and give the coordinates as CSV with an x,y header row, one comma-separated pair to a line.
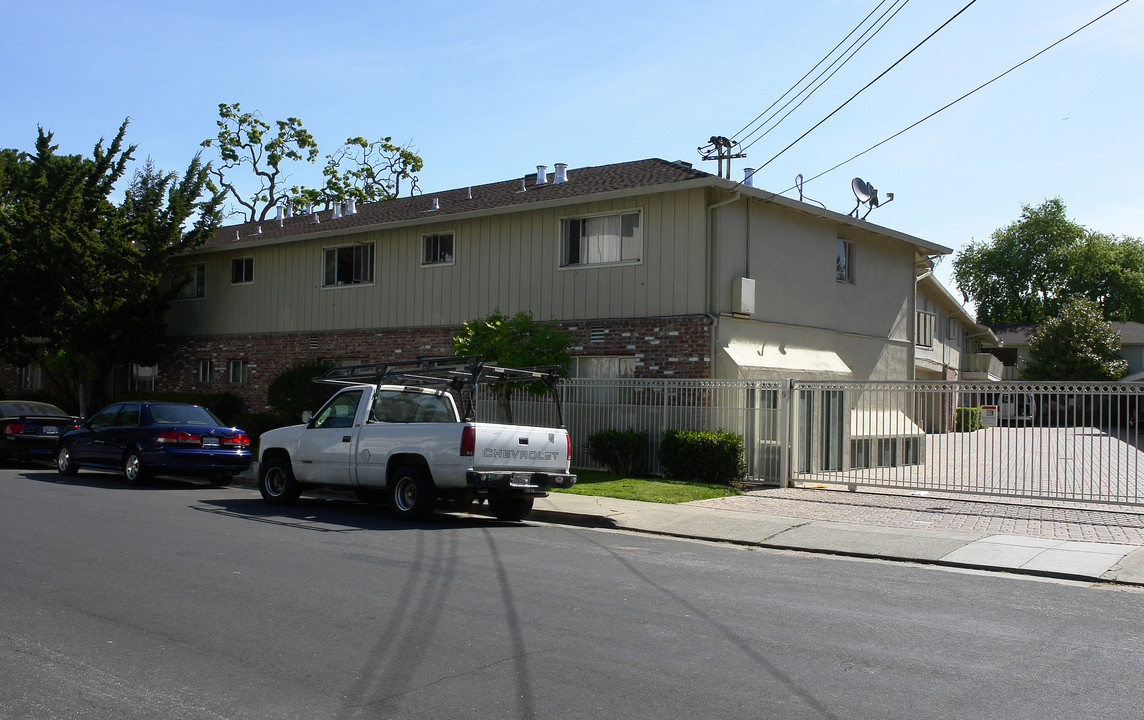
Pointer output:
x,y
1071,441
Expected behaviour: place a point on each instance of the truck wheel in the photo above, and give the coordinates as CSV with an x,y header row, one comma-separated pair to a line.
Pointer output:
x,y
412,493
509,507
277,484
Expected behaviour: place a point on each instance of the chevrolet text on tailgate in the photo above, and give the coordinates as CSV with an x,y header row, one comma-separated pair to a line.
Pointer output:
x,y
394,434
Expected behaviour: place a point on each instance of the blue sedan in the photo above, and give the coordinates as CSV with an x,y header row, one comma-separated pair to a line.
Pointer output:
x,y
144,439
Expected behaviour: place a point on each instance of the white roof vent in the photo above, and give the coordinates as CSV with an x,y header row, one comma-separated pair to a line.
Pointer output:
x,y
522,186
749,177
337,211
561,173
541,174
435,206
315,221
351,206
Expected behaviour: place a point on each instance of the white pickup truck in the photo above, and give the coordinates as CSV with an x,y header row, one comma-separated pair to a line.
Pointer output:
x,y
410,446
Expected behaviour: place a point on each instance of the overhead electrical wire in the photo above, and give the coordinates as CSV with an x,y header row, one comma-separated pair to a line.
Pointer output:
x,y
971,92
864,88
833,68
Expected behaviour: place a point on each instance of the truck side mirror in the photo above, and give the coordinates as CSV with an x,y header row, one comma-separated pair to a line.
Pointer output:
x,y
306,416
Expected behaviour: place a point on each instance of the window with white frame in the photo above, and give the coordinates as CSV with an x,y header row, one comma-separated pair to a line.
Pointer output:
x,y
844,262
241,271
143,377
204,372
617,366
437,249
236,372
601,239
193,279
347,265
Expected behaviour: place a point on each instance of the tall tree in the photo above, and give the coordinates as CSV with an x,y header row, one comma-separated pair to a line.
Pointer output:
x,y
517,341
1031,267
1078,344
249,146
90,278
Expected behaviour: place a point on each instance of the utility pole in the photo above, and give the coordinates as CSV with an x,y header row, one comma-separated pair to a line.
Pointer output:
x,y
720,148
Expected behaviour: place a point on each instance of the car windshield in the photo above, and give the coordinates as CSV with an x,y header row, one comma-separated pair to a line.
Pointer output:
x,y
171,414
29,409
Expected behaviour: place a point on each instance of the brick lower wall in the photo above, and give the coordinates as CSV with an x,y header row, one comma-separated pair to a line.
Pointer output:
x,y
663,347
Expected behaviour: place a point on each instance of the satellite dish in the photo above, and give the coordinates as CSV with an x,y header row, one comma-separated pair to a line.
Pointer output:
x,y
866,194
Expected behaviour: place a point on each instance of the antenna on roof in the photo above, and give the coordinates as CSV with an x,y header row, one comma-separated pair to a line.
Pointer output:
x,y
866,194
719,148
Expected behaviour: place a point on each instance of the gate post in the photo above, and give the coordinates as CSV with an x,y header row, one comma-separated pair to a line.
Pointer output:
x,y
785,405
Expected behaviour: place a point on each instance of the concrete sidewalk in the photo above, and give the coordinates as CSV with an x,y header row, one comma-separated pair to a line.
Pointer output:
x,y
856,531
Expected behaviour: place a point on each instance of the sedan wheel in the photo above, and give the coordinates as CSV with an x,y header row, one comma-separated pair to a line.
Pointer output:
x,y
65,463
133,470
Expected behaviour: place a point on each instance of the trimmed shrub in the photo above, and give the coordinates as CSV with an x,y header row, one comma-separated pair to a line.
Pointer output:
x,y
620,451
294,390
967,419
711,457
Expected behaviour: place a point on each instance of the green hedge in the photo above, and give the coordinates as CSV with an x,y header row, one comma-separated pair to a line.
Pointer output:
x,y
967,419
712,457
620,451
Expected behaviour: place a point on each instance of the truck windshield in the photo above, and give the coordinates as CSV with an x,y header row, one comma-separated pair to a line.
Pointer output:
x,y
398,406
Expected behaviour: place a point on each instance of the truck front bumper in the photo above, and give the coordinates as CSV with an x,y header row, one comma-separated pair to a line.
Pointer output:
x,y
525,481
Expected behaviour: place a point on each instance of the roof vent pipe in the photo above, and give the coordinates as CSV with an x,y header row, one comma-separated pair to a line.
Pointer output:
x,y
435,206
541,174
470,196
561,173
236,236
315,221
337,211
749,177
289,210
523,188
351,206
278,217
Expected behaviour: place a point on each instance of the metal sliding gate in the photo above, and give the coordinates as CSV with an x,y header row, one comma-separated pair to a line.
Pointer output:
x,y
1064,441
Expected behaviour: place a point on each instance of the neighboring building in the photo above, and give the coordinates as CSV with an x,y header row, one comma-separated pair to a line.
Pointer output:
x,y
1015,337
950,344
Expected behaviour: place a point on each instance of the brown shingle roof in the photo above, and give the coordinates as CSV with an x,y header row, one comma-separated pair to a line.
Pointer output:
x,y
581,183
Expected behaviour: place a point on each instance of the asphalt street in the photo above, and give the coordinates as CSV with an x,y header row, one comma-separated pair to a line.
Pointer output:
x,y
180,600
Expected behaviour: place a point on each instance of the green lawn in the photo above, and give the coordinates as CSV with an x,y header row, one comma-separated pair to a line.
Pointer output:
x,y
593,482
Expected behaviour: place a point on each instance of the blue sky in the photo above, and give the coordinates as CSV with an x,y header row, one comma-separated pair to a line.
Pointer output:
x,y
487,91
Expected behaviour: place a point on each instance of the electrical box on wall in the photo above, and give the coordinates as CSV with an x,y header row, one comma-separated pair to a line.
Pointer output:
x,y
743,296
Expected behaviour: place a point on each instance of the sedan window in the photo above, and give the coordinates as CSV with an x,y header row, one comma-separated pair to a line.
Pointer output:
x,y
106,417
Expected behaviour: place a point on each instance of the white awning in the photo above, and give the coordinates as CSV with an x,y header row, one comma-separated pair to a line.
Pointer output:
x,y
882,423
784,361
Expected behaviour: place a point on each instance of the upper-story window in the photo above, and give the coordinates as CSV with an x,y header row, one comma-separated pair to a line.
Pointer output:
x,y
925,322
601,239
437,249
347,265
241,271
844,262
196,281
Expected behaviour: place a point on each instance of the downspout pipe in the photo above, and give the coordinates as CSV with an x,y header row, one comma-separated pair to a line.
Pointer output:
x,y
713,274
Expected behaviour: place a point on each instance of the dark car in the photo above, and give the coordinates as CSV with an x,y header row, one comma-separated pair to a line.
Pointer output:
x,y
144,439
29,430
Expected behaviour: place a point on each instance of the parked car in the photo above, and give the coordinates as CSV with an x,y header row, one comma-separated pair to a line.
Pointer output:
x,y
144,439
29,430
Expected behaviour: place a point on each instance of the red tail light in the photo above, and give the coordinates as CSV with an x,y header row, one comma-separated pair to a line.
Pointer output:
x,y
240,441
179,437
468,441
568,437
14,429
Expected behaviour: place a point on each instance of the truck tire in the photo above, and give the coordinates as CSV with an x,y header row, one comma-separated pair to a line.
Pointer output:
x,y
412,493
509,507
277,484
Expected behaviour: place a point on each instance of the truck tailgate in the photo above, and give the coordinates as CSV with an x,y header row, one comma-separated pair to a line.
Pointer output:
x,y
512,447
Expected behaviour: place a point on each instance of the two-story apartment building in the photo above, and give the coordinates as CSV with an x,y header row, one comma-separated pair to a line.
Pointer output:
x,y
950,344
659,270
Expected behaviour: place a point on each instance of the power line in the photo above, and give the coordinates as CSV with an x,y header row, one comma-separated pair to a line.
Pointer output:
x,y
971,92
833,68
866,87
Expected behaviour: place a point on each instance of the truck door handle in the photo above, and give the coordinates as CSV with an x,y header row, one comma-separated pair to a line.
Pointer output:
x,y
345,438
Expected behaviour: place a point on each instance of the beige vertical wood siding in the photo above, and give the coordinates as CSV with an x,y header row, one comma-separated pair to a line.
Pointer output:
x,y
508,261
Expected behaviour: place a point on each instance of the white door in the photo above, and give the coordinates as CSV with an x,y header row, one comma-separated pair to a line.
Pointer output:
x,y
325,450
